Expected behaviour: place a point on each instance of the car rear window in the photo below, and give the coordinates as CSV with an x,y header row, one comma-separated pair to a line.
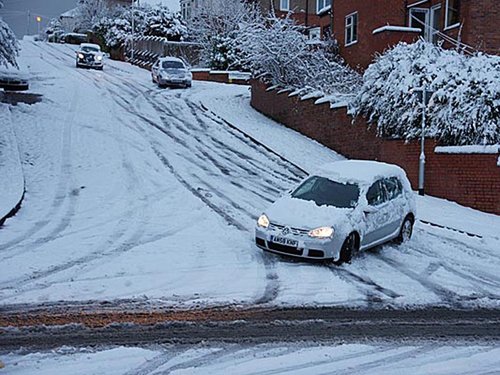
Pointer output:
x,y
323,191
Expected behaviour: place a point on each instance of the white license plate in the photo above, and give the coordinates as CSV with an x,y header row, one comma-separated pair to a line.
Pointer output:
x,y
284,241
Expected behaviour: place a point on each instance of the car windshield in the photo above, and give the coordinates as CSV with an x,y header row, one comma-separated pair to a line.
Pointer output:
x,y
90,49
172,65
323,191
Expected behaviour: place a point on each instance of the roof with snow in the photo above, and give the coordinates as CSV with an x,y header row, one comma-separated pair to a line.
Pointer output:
x,y
359,171
72,13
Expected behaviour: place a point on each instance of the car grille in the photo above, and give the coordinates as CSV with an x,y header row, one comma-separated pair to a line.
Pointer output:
x,y
316,253
284,248
294,231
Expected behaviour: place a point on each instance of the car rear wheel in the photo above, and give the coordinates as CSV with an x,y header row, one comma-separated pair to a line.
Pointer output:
x,y
406,230
348,249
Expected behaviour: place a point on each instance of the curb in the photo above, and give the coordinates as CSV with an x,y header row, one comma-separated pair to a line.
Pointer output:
x,y
19,201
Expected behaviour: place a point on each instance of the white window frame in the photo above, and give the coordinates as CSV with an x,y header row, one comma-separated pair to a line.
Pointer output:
x,y
285,5
426,24
446,26
318,8
349,28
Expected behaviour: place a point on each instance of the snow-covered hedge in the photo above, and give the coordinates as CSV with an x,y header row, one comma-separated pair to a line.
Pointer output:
x,y
465,106
114,25
8,44
279,51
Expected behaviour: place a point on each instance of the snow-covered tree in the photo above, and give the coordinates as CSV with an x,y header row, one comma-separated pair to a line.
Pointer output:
x,y
216,26
91,12
465,106
115,27
160,21
9,47
278,51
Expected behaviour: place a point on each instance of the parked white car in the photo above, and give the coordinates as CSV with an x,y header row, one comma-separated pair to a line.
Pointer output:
x,y
171,71
346,207
89,56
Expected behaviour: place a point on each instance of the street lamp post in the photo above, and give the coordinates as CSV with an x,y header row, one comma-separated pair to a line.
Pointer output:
x,y
38,21
424,95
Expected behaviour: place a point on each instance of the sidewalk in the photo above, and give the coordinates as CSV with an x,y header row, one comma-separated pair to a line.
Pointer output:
x,y
11,173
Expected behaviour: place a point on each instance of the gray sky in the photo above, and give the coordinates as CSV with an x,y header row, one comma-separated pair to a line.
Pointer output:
x,y
15,12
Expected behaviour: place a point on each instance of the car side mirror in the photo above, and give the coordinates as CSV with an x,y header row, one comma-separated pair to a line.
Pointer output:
x,y
369,209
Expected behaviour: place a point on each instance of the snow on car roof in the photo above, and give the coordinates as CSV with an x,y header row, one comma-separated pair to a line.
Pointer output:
x,y
170,58
360,171
90,45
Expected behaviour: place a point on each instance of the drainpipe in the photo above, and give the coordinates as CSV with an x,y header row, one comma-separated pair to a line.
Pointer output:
x,y
307,14
405,12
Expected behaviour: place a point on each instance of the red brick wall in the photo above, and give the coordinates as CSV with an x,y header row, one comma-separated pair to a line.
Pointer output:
x,y
206,75
480,25
469,179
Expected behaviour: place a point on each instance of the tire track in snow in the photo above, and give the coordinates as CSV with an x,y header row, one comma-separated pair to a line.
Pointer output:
x,y
272,287
24,284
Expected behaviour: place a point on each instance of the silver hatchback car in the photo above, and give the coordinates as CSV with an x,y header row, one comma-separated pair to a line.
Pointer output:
x,y
346,207
171,71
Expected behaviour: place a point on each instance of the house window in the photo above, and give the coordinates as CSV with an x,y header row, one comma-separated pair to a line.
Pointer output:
x,y
351,28
320,4
427,20
452,13
285,5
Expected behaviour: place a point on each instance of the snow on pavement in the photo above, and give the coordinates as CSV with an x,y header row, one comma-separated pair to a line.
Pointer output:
x,y
136,192
11,173
290,358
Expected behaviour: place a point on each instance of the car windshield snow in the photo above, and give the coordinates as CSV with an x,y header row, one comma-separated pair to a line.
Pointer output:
x,y
172,65
90,49
323,191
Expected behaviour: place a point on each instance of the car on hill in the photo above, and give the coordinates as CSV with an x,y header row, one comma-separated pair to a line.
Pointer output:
x,y
171,71
345,207
89,55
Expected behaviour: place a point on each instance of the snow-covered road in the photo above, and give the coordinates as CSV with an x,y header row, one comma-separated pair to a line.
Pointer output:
x,y
137,193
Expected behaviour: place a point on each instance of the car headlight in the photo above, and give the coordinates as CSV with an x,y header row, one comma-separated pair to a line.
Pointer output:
x,y
99,58
80,56
263,221
321,232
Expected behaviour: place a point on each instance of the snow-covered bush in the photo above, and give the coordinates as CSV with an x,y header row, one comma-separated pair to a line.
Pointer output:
x,y
465,106
9,47
115,27
160,21
216,27
279,51
113,30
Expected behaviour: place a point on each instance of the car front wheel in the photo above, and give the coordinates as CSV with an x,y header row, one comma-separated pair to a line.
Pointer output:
x,y
348,249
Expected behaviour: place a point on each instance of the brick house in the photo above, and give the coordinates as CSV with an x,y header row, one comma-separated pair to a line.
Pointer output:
x,y
315,15
365,28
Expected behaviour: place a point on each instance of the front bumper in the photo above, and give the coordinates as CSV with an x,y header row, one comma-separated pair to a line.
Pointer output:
x,y
89,64
174,82
308,248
